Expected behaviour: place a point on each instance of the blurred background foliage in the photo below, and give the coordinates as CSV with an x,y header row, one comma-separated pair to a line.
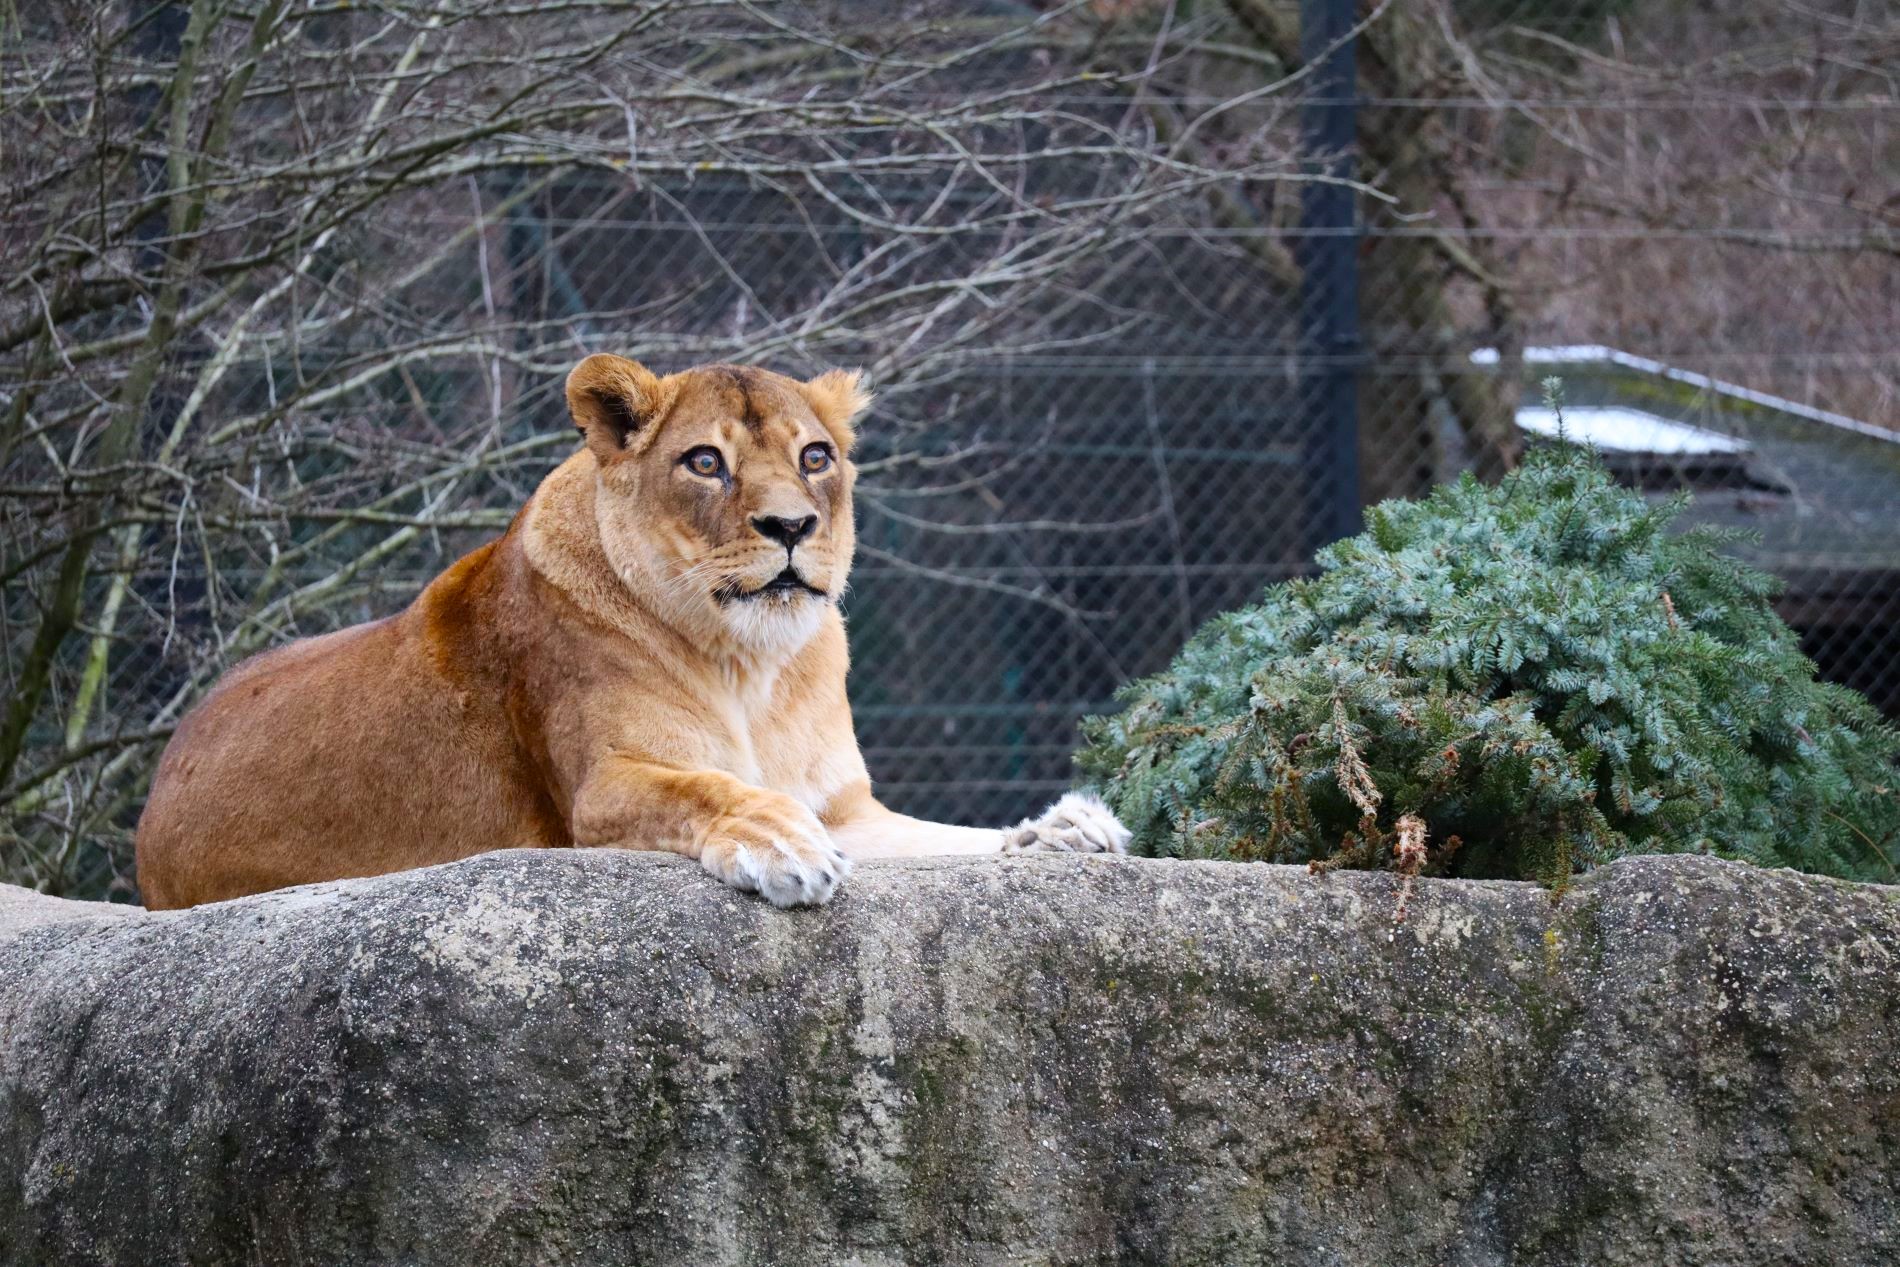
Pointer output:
x,y
288,289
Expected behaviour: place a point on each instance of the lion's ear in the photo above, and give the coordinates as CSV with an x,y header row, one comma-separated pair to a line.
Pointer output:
x,y
837,399
611,399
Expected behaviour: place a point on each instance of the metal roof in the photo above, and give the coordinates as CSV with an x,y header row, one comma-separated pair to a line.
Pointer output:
x,y
1822,497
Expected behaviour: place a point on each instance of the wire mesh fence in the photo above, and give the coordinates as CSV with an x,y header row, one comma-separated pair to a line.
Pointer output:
x,y
270,369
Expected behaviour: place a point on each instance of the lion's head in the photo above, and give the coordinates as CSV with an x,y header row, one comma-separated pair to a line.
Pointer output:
x,y
724,493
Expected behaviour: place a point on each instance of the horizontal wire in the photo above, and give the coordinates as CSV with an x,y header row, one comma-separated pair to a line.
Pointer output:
x,y
1739,235
1848,104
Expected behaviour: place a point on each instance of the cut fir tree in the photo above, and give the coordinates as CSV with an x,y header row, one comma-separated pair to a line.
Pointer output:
x,y
1519,680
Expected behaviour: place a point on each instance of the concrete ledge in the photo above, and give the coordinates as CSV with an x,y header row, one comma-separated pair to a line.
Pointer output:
x,y
597,1057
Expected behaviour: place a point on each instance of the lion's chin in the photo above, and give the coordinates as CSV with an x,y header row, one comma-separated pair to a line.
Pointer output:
x,y
774,624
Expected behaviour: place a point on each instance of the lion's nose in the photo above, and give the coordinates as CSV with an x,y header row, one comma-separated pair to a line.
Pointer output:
x,y
787,532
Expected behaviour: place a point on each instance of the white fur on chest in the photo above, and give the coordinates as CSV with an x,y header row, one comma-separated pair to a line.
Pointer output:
x,y
773,747
745,704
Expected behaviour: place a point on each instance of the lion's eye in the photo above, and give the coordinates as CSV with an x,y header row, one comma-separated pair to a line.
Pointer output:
x,y
704,460
815,458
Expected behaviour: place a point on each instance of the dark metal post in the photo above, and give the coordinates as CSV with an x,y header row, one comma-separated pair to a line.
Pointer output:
x,y
158,35
1328,255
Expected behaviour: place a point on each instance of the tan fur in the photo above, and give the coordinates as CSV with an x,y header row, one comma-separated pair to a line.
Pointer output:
x,y
608,672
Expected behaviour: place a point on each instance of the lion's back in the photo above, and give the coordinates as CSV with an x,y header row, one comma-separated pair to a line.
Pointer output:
x,y
345,754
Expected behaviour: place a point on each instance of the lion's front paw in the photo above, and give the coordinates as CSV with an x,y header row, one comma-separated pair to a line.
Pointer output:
x,y
778,850
1078,823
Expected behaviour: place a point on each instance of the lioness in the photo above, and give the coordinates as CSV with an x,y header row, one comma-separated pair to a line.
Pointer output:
x,y
651,657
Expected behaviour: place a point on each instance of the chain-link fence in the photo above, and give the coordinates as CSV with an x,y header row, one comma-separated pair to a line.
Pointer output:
x,y
1155,295
1686,213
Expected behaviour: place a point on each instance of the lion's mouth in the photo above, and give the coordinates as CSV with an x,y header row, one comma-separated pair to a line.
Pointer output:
x,y
784,585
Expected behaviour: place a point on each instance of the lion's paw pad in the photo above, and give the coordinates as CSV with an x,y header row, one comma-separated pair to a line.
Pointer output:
x,y
1078,823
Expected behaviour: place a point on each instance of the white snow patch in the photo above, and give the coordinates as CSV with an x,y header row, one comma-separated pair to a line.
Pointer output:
x,y
1620,430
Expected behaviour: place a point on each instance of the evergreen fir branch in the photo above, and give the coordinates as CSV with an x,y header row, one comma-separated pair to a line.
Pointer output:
x,y
1542,671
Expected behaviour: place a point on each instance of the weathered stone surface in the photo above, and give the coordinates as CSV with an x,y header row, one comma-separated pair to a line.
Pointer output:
x,y
598,1057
